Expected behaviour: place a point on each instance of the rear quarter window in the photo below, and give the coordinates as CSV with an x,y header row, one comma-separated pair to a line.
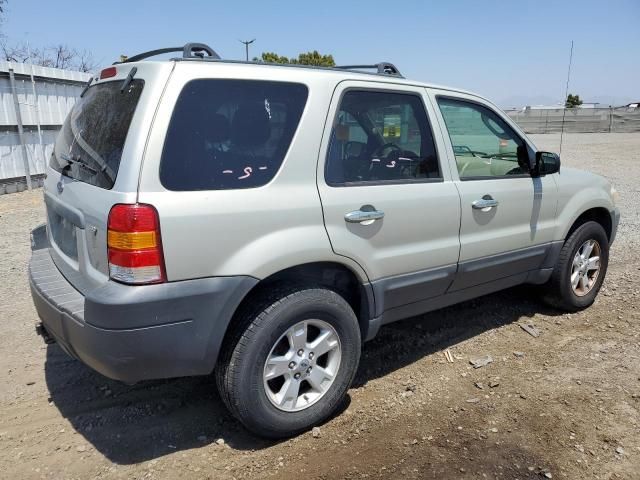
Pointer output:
x,y
230,134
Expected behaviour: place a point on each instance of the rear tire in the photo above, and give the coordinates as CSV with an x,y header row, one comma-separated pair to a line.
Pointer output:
x,y
295,390
578,276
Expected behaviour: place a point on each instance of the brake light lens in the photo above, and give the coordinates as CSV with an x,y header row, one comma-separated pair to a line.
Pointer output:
x,y
134,245
108,73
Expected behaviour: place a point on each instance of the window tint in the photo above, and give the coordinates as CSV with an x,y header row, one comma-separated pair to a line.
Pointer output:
x,y
89,146
381,136
228,134
483,144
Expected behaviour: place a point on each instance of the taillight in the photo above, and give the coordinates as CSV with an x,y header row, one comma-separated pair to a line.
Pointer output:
x,y
108,73
134,244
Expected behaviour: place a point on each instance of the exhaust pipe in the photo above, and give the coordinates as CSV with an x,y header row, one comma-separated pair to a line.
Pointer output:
x,y
42,331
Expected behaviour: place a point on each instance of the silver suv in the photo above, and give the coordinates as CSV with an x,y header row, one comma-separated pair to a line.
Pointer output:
x,y
263,221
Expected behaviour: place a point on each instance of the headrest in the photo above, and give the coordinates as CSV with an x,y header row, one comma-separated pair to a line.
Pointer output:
x,y
250,126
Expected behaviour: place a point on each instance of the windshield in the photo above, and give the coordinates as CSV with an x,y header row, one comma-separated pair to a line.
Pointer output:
x,y
89,146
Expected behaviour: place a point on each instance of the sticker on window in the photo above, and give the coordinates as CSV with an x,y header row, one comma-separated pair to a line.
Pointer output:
x,y
392,126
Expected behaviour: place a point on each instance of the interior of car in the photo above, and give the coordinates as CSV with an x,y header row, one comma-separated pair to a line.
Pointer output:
x,y
381,137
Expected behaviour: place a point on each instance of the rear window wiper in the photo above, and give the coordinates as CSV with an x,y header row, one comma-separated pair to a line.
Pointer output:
x,y
76,161
86,87
127,80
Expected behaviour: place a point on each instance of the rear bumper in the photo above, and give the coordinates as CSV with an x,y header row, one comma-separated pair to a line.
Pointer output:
x,y
136,333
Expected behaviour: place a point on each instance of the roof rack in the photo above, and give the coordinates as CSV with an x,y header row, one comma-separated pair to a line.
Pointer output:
x,y
382,68
201,51
190,50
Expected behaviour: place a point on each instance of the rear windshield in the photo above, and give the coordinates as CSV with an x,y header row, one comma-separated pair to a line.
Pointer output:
x,y
89,146
228,134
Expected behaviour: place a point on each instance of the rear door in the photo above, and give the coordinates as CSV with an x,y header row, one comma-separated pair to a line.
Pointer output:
x,y
508,216
388,203
95,164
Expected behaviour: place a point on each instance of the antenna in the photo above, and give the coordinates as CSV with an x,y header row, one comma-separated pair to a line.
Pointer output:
x,y
566,94
246,46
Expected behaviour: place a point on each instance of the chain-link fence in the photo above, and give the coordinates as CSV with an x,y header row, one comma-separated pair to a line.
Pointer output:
x,y
577,120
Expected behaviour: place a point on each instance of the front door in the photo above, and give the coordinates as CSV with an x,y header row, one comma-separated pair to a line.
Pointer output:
x,y
388,202
508,216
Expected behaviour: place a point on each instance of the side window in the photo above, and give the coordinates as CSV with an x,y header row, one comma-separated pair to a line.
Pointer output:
x,y
378,137
228,134
483,144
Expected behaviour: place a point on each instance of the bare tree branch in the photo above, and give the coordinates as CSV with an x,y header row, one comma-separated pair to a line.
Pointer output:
x,y
58,56
14,53
85,61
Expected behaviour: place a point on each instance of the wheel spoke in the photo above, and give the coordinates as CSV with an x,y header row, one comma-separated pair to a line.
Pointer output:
x,y
577,259
319,378
276,367
324,343
575,278
581,284
288,394
593,263
588,246
297,336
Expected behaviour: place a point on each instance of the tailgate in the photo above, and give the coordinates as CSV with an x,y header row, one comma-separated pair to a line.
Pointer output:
x,y
96,163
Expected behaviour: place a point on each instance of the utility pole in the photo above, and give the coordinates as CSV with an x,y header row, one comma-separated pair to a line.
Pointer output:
x,y
246,46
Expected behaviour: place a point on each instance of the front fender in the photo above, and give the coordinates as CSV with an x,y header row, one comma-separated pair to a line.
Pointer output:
x,y
579,192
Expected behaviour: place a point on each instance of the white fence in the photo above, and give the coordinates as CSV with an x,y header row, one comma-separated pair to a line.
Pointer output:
x,y
11,163
43,104
577,120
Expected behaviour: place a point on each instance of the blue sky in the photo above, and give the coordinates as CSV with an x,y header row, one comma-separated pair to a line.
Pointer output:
x,y
514,52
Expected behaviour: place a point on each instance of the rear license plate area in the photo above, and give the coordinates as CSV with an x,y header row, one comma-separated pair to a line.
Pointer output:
x,y
63,233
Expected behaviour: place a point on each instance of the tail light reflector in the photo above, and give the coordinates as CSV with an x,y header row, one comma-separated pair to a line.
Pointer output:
x,y
108,73
134,245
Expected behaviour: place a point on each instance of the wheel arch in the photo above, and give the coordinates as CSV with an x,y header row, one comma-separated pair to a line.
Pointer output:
x,y
336,276
600,215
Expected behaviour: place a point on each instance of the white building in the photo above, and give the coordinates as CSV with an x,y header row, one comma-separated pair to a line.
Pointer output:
x,y
43,104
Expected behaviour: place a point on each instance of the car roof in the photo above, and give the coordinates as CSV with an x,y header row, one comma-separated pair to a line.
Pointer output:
x,y
202,53
343,73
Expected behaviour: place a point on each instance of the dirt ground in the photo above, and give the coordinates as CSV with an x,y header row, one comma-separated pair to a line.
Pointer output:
x,y
563,405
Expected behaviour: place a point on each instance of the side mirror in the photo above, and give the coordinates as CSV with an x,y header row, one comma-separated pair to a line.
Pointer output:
x,y
547,163
523,159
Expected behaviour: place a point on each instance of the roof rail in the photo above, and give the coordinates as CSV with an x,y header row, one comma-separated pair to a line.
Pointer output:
x,y
190,50
385,68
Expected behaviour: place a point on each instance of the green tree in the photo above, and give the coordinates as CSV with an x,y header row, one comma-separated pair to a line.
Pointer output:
x,y
308,58
271,57
315,58
572,101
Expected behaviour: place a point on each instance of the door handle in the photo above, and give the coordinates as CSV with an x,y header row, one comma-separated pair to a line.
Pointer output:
x,y
364,217
485,202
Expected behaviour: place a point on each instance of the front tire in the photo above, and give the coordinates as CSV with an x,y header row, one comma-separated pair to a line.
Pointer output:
x,y
289,360
581,268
